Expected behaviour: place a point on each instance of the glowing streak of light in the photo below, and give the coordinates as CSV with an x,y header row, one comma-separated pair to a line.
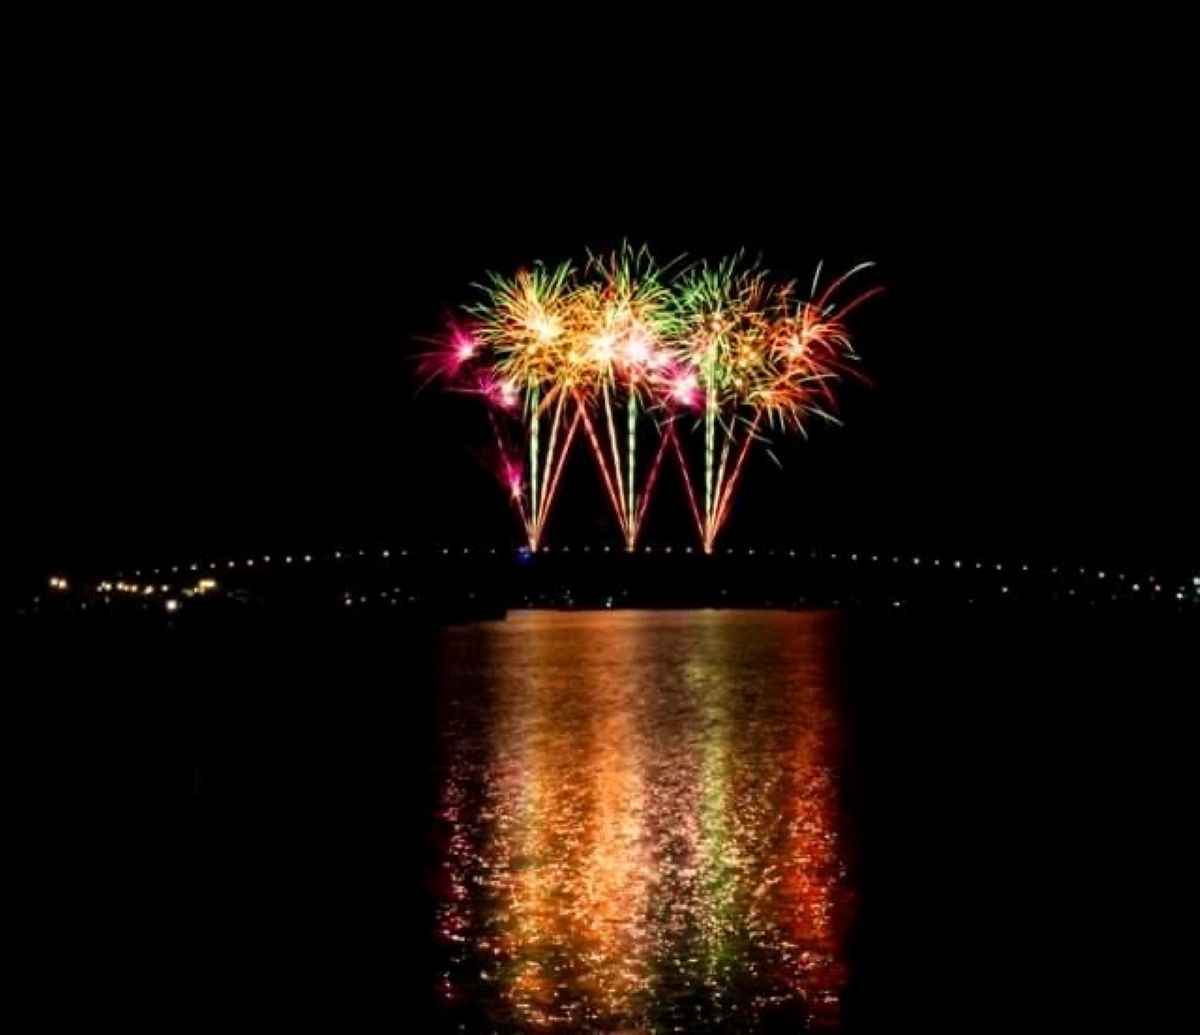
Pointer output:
x,y
535,420
557,473
652,477
511,473
613,493
616,458
690,492
631,508
723,509
710,425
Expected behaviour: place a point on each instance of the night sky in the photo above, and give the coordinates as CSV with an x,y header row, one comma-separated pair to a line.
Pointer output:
x,y
223,277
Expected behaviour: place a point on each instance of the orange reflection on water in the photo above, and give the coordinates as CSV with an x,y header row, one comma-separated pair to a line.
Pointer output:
x,y
641,820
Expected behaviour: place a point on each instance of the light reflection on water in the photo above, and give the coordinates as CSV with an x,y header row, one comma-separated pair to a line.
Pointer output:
x,y
641,821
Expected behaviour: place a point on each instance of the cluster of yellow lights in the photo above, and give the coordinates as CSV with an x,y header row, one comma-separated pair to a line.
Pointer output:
x,y
58,582
125,587
202,587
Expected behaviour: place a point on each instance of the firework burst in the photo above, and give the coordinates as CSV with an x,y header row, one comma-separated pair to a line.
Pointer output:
x,y
523,325
625,327
620,342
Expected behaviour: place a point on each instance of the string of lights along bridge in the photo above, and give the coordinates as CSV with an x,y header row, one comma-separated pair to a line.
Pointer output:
x,y
699,361
394,575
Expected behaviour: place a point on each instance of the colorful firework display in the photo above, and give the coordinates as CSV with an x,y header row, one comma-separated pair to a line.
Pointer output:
x,y
713,357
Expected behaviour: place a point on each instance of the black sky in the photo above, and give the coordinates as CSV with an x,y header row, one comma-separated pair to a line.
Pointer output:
x,y
222,276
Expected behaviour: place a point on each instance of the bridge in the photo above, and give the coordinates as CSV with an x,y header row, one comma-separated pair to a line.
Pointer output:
x,y
489,579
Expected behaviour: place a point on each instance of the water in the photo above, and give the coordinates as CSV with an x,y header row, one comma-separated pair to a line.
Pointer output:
x,y
640,822
936,820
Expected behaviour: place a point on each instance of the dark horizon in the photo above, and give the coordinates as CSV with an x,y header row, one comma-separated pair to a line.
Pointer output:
x,y
228,289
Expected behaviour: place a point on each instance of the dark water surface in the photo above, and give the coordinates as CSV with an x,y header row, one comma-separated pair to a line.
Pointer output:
x,y
612,821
